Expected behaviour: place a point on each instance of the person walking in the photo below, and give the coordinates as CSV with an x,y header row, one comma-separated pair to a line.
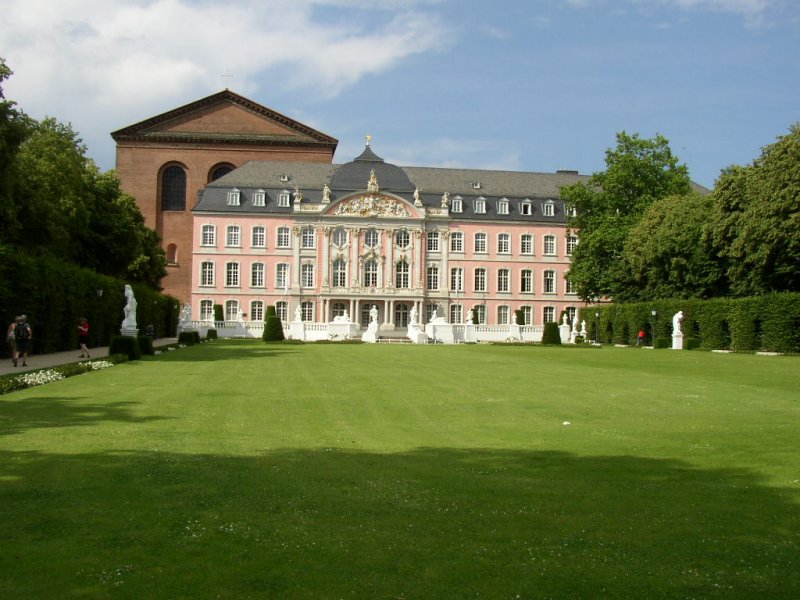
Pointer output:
x,y
11,340
640,338
83,337
22,336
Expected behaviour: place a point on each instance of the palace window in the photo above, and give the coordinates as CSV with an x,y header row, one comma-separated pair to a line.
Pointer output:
x,y
234,197
456,279
308,237
234,236
502,206
209,235
282,276
433,241
307,311
526,243
549,282
549,314
259,236
571,312
307,275
207,273
402,239
259,199
480,205
284,238
339,237
257,275
370,273
257,310
232,274
337,309
433,278
480,279
280,309
173,189
569,287
550,245
401,275
526,281
572,243
456,313
479,314
283,198
549,209
456,241
504,243
502,315
525,208
371,238
206,310
527,315
502,280
456,204
231,310
339,273
480,243
220,171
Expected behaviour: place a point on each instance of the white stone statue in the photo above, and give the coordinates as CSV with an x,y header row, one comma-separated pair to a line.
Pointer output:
x,y
513,317
186,315
413,316
469,317
575,322
677,319
326,194
583,328
417,200
373,314
445,200
298,314
565,319
130,309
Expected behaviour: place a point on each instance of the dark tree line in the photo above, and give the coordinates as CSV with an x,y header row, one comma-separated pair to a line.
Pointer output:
x,y
645,233
55,201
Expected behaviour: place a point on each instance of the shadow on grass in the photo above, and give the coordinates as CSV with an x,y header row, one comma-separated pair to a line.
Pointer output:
x,y
225,350
431,523
18,416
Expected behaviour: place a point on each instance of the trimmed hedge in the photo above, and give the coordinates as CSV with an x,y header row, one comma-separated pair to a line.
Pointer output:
x,y
551,335
770,322
146,345
189,338
127,345
273,328
211,334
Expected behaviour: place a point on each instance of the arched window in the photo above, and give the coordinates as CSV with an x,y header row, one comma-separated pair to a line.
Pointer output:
x,y
219,171
173,189
172,254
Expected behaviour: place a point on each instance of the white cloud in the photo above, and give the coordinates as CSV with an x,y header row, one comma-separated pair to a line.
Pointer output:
x,y
79,60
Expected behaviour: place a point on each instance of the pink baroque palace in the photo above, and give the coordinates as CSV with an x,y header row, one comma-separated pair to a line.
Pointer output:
x,y
323,242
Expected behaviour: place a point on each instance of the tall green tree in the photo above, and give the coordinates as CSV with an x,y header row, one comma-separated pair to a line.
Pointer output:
x,y
638,172
14,128
756,224
669,253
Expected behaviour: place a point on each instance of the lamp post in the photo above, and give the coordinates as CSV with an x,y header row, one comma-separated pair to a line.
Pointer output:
x,y
597,328
654,313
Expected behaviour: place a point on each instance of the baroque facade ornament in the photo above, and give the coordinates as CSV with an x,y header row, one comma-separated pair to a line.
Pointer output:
x,y
372,184
372,206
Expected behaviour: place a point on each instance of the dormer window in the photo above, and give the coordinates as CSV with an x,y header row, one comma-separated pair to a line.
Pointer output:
x,y
502,206
480,205
259,198
456,204
476,185
572,211
233,197
283,198
549,209
285,178
525,208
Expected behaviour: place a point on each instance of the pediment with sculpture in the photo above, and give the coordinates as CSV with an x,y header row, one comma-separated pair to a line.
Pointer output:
x,y
373,205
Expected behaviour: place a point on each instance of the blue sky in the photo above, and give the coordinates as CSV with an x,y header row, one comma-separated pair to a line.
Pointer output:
x,y
516,84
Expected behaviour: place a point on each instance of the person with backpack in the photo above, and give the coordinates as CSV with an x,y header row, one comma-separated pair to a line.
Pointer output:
x,y
11,340
22,337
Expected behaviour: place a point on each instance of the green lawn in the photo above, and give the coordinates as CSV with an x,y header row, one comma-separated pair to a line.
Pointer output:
x,y
244,470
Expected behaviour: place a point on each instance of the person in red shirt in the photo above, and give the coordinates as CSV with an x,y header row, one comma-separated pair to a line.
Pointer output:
x,y
640,338
83,337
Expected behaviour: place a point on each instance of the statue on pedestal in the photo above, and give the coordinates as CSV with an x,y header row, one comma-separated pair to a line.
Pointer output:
x,y
130,309
677,319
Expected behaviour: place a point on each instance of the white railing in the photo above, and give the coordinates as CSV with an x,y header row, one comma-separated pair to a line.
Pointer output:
x,y
448,333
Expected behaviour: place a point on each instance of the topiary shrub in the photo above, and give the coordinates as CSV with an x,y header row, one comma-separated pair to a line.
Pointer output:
x,y
579,339
273,328
692,343
661,342
211,334
146,345
551,335
125,344
219,314
189,338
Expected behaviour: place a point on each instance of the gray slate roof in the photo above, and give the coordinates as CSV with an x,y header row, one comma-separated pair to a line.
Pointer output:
x,y
274,177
